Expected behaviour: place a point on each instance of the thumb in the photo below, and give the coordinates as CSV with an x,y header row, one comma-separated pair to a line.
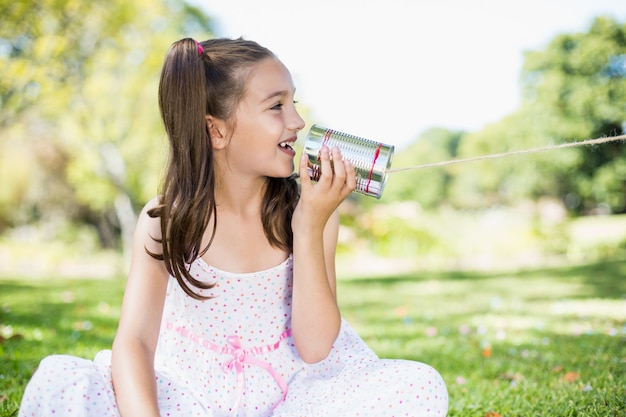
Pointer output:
x,y
305,179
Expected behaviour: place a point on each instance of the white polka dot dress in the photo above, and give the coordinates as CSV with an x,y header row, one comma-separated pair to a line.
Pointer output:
x,y
233,355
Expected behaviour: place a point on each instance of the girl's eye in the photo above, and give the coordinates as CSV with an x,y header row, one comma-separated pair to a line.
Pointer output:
x,y
279,106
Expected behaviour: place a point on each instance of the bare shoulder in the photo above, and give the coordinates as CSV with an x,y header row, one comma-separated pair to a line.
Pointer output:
x,y
148,229
146,285
146,269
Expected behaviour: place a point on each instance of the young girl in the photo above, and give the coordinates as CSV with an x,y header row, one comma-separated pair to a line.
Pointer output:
x,y
230,306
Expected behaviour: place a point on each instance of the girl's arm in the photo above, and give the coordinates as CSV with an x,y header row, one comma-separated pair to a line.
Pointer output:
x,y
315,314
138,331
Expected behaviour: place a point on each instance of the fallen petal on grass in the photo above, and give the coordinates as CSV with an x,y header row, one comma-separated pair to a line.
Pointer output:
x,y
571,376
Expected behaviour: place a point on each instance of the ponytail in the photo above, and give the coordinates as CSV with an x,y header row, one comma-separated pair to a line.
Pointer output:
x,y
189,180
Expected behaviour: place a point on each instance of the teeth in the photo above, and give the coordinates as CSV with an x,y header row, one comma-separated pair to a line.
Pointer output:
x,y
285,145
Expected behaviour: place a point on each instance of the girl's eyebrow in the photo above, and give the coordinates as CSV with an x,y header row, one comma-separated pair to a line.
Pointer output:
x,y
275,94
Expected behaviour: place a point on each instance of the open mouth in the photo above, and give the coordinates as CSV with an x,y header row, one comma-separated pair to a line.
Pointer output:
x,y
287,146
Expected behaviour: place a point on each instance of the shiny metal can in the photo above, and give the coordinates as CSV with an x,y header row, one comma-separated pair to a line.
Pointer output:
x,y
370,159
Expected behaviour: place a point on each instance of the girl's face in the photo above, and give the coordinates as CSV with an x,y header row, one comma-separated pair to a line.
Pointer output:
x,y
266,124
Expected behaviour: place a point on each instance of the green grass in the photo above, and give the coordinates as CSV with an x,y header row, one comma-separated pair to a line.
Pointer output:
x,y
43,317
543,342
547,342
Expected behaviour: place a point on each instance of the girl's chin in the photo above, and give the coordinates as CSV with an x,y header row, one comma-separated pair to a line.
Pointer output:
x,y
284,173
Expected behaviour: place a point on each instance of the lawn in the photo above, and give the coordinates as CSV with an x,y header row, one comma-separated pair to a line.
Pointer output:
x,y
542,342
537,342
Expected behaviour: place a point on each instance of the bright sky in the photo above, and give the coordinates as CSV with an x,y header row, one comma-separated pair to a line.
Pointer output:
x,y
387,70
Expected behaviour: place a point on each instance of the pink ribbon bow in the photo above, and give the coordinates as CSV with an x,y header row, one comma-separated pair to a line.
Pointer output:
x,y
245,356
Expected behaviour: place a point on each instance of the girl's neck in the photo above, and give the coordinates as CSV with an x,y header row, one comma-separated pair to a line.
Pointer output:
x,y
240,196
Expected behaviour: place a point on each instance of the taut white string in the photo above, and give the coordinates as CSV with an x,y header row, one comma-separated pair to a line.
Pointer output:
x,y
597,141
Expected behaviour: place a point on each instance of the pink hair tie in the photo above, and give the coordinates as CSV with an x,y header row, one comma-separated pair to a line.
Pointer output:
x,y
200,49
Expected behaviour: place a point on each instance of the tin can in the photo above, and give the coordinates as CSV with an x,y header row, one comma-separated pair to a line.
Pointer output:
x,y
370,159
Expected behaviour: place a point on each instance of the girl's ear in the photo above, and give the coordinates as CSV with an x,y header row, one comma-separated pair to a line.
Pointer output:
x,y
217,130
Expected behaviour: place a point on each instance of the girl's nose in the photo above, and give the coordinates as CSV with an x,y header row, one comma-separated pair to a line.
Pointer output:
x,y
297,123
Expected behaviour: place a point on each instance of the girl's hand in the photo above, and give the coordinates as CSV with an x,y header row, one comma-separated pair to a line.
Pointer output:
x,y
319,200
315,316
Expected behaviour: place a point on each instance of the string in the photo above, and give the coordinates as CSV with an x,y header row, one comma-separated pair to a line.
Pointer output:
x,y
513,153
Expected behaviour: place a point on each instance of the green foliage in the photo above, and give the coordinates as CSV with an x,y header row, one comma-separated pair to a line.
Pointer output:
x,y
580,78
78,89
81,140
501,237
511,179
573,90
428,187
579,82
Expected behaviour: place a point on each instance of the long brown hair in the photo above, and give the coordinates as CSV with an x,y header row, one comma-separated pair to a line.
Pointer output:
x,y
199,80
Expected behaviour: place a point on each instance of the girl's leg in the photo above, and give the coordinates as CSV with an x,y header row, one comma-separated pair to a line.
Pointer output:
x,y
68,386
379,388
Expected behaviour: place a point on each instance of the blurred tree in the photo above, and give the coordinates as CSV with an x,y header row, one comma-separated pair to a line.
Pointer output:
x,y
428,187
511,179
575,89
78,85
579,83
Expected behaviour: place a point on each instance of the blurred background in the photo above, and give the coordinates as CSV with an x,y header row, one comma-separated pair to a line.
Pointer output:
x,y
82,146
507,275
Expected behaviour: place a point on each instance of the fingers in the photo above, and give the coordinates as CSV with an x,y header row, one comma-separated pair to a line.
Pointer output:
x,y
303,170
338,175
327,169
350,183
320,197
345,176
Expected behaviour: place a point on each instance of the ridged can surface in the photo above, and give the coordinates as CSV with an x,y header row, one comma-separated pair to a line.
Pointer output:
x,y
371,159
